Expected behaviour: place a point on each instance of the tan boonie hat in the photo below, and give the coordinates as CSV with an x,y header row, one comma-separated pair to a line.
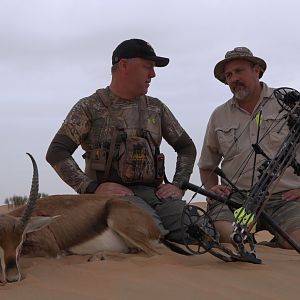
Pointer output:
x,y
238,53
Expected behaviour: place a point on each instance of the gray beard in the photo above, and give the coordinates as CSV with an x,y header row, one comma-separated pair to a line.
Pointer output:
x,y
241,94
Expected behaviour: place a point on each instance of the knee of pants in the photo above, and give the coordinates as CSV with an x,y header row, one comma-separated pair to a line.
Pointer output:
x,y
146,207
170,213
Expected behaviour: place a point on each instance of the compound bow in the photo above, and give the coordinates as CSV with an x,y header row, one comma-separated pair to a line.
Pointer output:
x,y
200,227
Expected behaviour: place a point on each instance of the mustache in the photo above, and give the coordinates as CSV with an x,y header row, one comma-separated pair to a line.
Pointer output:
x,y
238,84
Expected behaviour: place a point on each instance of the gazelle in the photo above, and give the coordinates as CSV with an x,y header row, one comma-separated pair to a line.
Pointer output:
x,y
79,224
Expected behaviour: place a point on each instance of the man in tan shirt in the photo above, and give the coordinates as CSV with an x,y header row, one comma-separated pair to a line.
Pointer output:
x,y
252,115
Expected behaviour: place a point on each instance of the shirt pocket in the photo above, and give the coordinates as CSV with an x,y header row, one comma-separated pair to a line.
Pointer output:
x,y
276,132
227,137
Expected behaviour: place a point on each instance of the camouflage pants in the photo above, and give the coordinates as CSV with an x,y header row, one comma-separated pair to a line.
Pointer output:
x,y
285,213
165,212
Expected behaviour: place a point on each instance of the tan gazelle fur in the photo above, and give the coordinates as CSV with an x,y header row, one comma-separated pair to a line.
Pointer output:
x,y
78,224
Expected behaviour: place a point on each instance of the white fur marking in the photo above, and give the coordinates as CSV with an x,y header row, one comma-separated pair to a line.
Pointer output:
x,y
108,240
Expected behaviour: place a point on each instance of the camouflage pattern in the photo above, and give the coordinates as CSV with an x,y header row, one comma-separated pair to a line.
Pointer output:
x,y
89,124
238,53
70,173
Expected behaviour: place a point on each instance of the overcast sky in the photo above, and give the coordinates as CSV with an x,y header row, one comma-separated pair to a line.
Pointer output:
x,y
54,52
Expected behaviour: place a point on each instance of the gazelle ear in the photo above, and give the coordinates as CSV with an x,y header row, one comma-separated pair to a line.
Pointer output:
x,y
37,223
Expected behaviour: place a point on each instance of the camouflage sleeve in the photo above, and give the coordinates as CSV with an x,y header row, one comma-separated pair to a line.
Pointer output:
x,y
185,148
186,155
70,173
65,142
77,124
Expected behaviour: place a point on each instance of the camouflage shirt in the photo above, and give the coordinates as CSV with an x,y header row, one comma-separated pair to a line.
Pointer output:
x,y
90,125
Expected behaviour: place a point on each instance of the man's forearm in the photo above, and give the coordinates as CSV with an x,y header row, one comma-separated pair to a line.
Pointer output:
x,y
71,174
208,178
59,156
186,155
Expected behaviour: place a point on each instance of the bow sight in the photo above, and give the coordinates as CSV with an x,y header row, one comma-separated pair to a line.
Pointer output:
x,y
203,236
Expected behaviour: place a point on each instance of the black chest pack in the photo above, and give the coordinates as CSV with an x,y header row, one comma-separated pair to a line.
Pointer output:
x,y
133,158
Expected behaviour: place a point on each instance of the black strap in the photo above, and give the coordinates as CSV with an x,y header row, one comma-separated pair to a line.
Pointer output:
x,y
146,133
105,99
142,112
142,107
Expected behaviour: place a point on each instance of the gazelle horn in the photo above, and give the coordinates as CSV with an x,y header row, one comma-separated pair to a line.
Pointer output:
x,y
32,197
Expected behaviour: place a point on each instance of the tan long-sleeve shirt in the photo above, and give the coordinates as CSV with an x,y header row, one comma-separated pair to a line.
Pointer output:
x,y
230,133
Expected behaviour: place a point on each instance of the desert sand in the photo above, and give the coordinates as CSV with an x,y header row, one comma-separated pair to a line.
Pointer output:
x,y
165,276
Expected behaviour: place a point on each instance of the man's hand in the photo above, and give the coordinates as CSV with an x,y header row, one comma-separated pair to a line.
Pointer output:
x,y
221,190
113,189
291,195
169,191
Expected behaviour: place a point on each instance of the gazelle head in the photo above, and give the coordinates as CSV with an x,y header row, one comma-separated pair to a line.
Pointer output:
x,y
13,231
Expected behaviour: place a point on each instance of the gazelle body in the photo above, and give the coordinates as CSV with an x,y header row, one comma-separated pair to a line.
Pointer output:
x,y
79,224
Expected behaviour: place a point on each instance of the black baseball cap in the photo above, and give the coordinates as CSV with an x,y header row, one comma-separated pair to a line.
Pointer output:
x,y
137,48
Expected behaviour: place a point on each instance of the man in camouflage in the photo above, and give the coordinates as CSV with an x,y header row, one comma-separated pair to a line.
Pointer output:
x,y
90,124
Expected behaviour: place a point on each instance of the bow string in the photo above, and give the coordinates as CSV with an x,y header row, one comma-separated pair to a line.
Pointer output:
x,y
268,174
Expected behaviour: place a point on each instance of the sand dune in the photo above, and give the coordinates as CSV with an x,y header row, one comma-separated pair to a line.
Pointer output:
x,y
165,276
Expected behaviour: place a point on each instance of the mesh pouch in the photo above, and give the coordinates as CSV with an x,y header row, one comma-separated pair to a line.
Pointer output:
x,y
136,162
